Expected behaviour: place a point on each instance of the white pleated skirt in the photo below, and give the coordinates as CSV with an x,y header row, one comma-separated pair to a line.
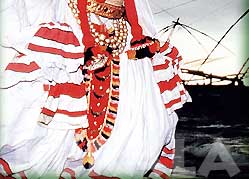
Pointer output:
x,y
142,128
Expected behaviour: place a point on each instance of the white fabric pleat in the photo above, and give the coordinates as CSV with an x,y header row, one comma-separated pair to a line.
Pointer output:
x,y
141,125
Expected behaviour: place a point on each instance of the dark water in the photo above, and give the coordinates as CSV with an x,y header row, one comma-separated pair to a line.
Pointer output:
x,y
197,135
217,120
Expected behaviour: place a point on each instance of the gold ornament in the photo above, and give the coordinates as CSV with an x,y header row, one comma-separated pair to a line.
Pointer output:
x,y
88,160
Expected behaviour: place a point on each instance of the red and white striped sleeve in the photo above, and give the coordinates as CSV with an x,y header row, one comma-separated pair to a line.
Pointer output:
x,y
166,66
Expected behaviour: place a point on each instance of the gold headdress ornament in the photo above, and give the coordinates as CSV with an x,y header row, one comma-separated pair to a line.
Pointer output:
x,y
112,9
115,2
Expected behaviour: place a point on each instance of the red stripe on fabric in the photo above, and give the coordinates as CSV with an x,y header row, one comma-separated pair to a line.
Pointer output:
x,y
164,47
131,13
161,174
182,92
20,55
57,35
107,129
173,54
45,23
71,113
111,116
69,89
22,175
79,130
169,85
168,151
115,80
71,172
173,102
88,39
179,59
51,23
116,67
162,66
101,140
6,166
55,51
42,23
64,24
6,177
178,66
46,87
94,175
114,105
47,112
115,93
22,67
166,162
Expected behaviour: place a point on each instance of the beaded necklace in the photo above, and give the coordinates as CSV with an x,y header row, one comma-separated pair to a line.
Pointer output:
x,y
114,37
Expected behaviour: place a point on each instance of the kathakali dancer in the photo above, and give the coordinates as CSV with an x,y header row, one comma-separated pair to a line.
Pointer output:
x,y
91,92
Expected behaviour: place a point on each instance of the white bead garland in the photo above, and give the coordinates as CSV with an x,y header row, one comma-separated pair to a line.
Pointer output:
x,y
117,41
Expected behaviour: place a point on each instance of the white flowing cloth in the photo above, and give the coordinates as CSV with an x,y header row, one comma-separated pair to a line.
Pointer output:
x,y
143,124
